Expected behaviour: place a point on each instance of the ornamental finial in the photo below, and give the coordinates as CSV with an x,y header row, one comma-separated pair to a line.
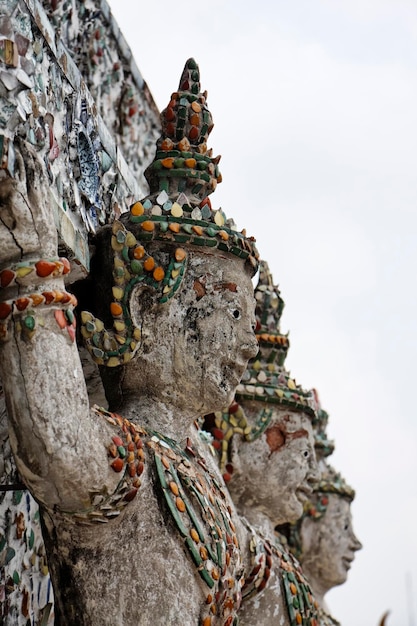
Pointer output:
x,y
273,345
323,445
266,379
183,166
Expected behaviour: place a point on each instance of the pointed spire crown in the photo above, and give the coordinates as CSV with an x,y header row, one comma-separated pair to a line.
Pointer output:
x,y
183,163
273,345
323,445
182,176
266,379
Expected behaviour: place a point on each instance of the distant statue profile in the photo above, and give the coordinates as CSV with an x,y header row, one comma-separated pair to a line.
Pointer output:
x,y
323,539
138,526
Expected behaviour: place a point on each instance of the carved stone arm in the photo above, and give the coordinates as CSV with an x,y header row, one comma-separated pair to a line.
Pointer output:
x,y
59,446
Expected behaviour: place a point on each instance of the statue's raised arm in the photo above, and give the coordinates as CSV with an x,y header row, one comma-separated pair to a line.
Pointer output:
x,y
50,428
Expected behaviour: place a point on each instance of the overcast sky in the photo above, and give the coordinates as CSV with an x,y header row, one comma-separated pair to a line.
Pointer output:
x,y
314,104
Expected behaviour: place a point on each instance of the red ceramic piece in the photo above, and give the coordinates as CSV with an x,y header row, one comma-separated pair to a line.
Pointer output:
x,y
193,134
49,296
169,114
5,310
130,495
217,433
170,130
22,303
117,465
60,318
44,268
6,277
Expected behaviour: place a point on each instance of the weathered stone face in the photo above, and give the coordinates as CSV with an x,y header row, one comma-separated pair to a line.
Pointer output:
x,y
329,545
194,348
276,472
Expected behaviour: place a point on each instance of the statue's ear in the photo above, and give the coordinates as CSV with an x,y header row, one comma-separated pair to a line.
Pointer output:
x,y
139,284
133,315
110,347
144,304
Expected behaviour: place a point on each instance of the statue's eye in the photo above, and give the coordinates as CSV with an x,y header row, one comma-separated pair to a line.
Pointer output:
x,y
236,313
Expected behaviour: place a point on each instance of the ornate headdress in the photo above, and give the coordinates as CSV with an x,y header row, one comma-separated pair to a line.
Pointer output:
x,y
330,482
177,214
265,380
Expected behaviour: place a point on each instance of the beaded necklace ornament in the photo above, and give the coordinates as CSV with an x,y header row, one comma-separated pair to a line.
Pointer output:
x,y
302,608
265,381
177,215
198,505
195,500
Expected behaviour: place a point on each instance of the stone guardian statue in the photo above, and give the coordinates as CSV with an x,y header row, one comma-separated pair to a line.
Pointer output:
x,y
139,528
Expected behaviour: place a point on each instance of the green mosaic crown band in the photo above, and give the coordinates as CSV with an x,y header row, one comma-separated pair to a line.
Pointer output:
x,y
272,384
323,445
177,214
333,482
273,345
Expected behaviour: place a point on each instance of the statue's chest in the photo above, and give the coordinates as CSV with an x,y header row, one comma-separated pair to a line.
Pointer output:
x,y
193,498
199,507
299,602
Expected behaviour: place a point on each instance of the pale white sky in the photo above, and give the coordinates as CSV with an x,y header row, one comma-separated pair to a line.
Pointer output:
x,y
314,104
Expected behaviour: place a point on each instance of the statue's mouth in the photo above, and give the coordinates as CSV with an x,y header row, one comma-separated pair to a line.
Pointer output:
x,y
303,494
347,562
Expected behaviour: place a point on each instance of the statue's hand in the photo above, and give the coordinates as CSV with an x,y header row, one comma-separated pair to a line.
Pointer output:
x,y
27,227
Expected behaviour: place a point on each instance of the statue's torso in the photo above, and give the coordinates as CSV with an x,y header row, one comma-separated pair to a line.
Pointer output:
x,y
166,553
